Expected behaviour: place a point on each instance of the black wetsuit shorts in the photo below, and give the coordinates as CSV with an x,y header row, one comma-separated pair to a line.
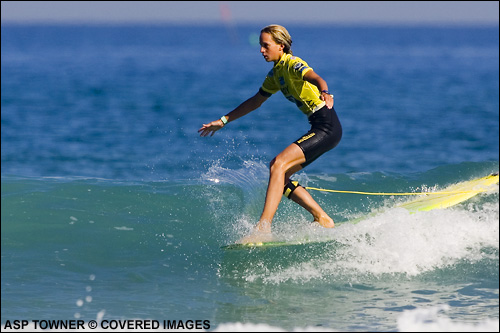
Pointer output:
x,y
325,134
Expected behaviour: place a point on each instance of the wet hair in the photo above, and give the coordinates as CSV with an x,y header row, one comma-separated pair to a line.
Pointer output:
x,y
280,36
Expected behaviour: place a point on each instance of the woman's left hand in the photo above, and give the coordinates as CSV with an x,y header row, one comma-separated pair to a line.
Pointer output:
x,y
328,99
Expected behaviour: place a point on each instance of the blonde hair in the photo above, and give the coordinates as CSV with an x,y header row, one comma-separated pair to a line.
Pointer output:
x,y
280,36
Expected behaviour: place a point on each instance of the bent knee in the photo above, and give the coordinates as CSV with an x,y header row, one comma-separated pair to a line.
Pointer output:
x,y
278,165
272,163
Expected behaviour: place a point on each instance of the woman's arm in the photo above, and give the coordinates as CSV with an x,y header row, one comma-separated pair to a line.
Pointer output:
x,y
244,108
315,79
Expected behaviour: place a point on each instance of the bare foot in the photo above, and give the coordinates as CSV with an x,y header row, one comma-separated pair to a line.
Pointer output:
x,y
325,221
257,237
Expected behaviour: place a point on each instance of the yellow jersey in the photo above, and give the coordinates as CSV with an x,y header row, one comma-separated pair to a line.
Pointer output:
x,y
287,75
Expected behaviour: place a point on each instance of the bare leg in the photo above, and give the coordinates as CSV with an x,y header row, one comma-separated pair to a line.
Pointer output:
x,y
282,167
303,198
286,160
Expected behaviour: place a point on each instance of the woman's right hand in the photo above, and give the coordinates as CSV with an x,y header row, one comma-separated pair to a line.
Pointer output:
x,y
211,128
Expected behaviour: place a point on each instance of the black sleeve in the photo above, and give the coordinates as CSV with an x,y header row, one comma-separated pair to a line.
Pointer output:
x,y
264,93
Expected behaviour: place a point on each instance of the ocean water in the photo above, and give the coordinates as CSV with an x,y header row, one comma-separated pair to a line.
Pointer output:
x,y
113,208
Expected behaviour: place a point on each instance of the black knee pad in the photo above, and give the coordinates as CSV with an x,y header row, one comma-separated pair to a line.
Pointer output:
x,y
289,188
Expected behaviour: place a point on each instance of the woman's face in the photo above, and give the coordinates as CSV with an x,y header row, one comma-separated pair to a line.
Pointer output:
x,y
269,49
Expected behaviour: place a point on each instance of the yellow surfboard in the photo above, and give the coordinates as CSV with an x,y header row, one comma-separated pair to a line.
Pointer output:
x,y
452,195
448,197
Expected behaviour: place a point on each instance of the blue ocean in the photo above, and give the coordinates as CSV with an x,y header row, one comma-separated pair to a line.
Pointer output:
x,y
114,209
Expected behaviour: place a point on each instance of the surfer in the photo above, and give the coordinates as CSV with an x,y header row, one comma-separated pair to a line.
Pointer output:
x,y
301,85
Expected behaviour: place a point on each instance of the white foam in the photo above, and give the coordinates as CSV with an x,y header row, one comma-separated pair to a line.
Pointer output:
x,y
396,242
432,320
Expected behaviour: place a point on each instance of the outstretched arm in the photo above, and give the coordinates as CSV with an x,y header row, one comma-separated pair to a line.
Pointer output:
x,y
244,108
